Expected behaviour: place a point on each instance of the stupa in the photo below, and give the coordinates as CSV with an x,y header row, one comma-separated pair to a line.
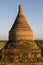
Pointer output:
x,y
20,29
21,46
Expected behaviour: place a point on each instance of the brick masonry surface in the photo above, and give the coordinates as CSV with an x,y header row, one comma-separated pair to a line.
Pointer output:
x,y
39,63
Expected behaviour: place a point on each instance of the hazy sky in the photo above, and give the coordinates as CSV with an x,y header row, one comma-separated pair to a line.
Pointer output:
x,y
33,11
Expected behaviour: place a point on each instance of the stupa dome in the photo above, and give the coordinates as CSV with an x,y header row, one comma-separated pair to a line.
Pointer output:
x,y
21,29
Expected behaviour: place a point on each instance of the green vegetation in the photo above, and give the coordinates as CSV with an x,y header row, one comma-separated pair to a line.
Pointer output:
x,y
2,44
40,44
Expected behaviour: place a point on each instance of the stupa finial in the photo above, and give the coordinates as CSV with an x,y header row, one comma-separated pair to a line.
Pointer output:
x,y
20,9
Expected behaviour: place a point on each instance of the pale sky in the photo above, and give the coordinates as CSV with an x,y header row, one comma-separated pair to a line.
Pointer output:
x,y
33,11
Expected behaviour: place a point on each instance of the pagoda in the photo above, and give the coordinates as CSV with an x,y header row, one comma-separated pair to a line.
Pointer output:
x,y
21,46
20,29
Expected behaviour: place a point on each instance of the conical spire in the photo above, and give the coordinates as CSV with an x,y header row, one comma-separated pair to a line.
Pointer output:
x,y
20,21
21,29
